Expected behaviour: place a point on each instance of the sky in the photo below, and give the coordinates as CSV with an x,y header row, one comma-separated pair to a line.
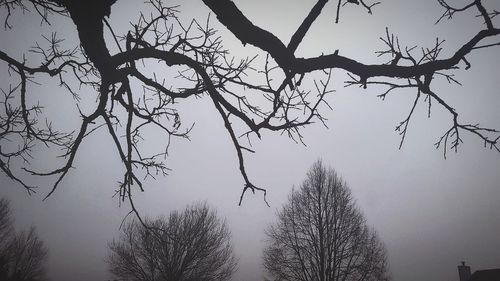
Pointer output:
x,y
430,212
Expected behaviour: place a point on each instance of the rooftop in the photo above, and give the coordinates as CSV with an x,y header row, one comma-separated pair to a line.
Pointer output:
x,y
486,275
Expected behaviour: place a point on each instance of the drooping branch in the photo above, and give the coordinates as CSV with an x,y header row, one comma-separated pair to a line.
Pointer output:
x,y
281,95
239,152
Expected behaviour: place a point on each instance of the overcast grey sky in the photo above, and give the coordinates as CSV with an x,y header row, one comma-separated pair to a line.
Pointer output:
x,y
430,212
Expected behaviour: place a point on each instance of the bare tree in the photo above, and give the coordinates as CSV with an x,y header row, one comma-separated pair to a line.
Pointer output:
x,y
321,235
6,228
6,236
27,257
293,91
23,254
190,245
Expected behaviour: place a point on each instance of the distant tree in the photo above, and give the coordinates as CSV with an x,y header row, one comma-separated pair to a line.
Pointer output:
x,y
6,228
27,257
321,235
279,92
6,236
190,245
23,254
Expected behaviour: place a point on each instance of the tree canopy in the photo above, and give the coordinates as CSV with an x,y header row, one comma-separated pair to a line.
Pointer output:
x,y
22,254
284,94
194,244
320,234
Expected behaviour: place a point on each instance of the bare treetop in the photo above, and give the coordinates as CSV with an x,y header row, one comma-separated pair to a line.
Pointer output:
x,y
321,234
196,54
22,254
194,244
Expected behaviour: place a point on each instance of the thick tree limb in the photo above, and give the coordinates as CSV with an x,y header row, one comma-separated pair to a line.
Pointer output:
x,y
306,24
231,17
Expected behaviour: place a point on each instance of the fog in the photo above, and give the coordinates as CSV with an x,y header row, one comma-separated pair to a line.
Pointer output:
x,y
430,212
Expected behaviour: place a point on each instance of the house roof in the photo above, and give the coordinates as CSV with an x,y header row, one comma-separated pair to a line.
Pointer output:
x,y
486,275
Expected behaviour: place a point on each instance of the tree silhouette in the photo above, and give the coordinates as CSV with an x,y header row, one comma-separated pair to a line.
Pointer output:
x,y
190,245
321,235
6,236
203,67
22,254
